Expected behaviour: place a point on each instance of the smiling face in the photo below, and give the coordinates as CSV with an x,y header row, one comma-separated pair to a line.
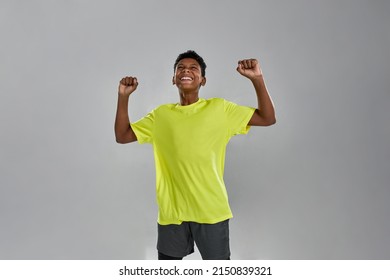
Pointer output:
x,y
188,75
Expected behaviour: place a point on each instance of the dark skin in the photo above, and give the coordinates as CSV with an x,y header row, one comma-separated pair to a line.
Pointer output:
x,y
188,79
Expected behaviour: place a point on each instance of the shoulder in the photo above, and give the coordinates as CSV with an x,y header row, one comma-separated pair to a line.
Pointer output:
x,y
221,102
216,101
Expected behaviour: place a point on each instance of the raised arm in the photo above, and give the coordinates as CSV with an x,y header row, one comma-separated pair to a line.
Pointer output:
x,y
123,131
265,112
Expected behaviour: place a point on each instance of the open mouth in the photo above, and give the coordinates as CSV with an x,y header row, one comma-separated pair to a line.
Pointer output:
x,y
186,79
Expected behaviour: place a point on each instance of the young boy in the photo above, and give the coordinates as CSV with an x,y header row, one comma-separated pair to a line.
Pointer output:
x,y
189,141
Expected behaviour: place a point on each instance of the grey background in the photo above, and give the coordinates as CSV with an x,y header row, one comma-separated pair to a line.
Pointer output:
x,y
314,186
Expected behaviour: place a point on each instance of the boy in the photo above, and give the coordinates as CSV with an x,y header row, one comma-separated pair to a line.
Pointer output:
x,y
189,142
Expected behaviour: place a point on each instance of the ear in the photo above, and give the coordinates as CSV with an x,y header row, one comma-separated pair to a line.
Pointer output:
x,y
173,80
203,81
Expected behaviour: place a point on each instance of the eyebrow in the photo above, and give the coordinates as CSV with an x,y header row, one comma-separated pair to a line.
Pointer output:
x,y
193,64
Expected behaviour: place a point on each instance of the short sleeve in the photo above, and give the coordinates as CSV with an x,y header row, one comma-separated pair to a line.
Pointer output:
x,y
143,128
238,117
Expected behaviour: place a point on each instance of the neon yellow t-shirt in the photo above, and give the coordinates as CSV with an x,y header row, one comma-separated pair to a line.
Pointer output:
x,y
189,144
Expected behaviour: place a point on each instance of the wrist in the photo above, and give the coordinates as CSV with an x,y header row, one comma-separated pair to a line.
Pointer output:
x,y
123,95
257,78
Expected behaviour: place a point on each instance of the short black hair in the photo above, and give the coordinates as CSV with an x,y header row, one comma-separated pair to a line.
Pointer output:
x,y
194,55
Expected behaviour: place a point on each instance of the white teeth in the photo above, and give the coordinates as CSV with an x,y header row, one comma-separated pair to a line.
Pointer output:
x,y
186,78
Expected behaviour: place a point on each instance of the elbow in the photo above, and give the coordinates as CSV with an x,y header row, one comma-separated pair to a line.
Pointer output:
x,y
270,121
263,119
120,141
124,138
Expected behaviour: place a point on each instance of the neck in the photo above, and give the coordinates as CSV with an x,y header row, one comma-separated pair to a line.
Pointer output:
x,y
188,98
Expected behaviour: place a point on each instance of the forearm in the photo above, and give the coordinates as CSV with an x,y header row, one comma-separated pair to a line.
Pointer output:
x,y
265,106
123,130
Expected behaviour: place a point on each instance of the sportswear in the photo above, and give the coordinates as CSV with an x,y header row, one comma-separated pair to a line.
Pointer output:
x,y
189,145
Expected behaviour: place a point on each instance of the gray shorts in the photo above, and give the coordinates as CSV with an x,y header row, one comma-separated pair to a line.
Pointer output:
x,y
212,240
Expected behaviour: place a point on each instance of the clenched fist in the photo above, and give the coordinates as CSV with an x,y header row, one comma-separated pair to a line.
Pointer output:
x,y
127,85
249,68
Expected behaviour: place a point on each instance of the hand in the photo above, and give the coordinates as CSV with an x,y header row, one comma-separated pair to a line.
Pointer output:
x,y
249,68
127,86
